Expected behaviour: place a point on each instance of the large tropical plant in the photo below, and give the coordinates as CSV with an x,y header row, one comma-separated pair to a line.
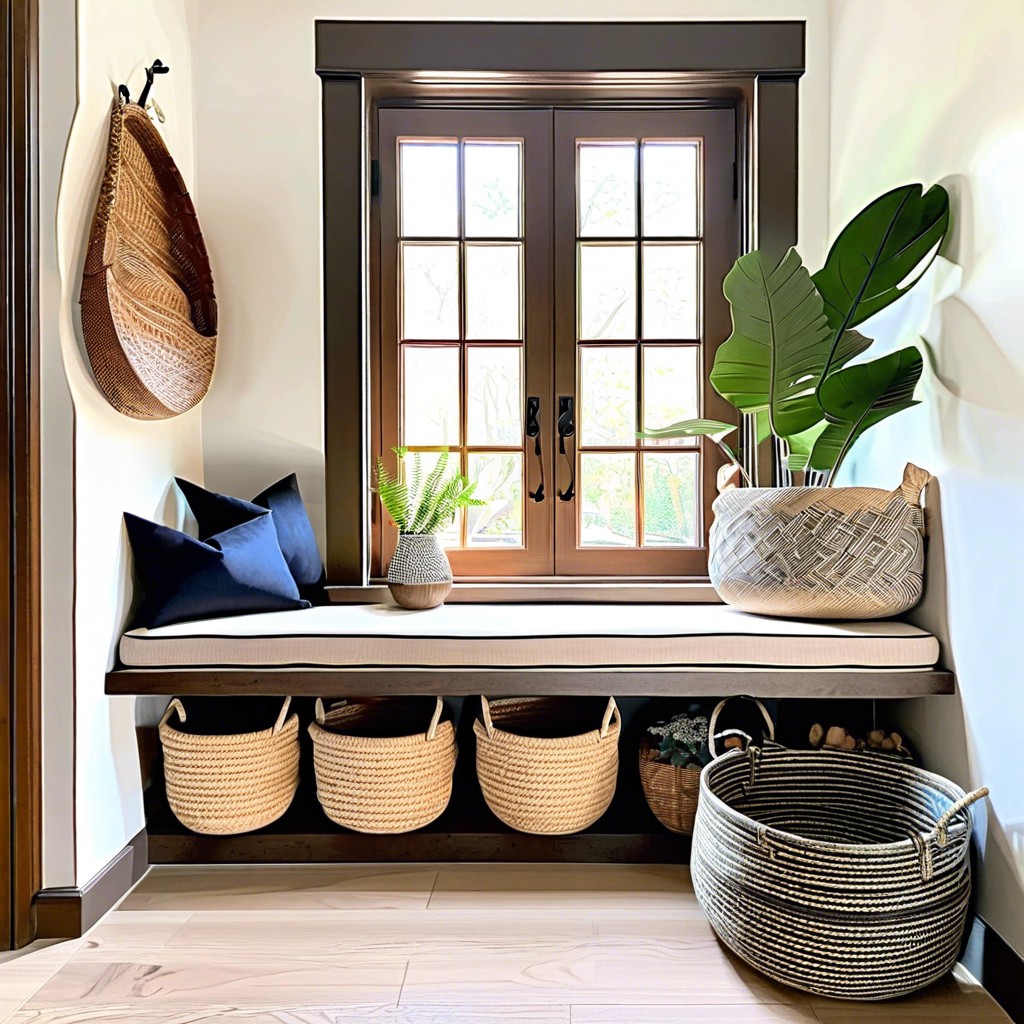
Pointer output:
x,y
419,503
789,360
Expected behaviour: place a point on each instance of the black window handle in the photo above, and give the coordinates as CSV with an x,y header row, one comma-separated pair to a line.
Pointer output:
x,y
567,428
533,430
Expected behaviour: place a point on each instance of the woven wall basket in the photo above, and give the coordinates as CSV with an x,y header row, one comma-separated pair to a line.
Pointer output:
x,y
385,765
672,791
840,873
820,552
226,784
540,768
149,316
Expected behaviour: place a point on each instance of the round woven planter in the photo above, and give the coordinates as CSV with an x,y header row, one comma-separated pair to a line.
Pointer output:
x,y
820,552
383,766
149,316
227,784
538,770
420,575
672,792
840,873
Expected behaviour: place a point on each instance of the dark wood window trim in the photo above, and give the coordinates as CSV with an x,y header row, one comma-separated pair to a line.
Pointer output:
x,y
362,63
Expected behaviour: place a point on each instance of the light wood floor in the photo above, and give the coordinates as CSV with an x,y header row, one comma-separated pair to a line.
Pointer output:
x,y
460,944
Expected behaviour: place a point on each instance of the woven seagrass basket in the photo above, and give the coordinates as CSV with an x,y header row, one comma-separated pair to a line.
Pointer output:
x,y
840,873
385,765
820,552
149,316
230,783
540,768
671,791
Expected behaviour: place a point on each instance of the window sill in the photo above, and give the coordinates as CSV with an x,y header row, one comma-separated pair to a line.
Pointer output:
x,y
534,591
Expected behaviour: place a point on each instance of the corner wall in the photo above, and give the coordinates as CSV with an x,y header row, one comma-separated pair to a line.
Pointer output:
x,y
118,464
930,91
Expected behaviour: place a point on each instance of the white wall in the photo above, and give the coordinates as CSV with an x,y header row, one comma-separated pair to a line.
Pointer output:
x,y
258,151
929,90
119,464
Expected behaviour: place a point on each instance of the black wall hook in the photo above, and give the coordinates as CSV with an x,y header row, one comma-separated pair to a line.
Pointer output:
x,y
158,67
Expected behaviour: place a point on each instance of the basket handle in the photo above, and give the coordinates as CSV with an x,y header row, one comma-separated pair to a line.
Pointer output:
x,y
485,713
432,729
915,480
320,713
718,710
279,724
942,825
610,712
174,705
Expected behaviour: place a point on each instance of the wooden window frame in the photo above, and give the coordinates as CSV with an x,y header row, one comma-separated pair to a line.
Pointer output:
x,y
363,64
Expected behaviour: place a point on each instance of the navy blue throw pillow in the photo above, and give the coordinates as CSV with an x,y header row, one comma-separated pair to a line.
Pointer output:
x,y
295,532
215,513
238,571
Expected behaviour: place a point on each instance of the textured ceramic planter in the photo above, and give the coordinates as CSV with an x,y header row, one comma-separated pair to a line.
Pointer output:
x,y
420,575
820,552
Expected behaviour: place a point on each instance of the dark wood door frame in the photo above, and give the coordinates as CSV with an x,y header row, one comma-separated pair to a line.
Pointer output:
x,y
20,737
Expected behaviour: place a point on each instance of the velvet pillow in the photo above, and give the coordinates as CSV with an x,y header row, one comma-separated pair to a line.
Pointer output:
x,y
237,571
217,512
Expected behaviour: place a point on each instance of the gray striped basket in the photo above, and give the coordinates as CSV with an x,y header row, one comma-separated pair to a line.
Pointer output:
x,y
840,873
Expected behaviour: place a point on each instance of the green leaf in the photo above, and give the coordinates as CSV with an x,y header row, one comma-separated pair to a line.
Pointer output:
x,y
859,396
880,255
776,353
691,428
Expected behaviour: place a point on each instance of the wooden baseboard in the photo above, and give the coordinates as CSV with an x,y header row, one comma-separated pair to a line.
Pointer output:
x,y
67,913
998,966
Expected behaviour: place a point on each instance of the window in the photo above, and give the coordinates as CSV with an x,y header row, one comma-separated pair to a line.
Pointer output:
x,y
525,82
549,284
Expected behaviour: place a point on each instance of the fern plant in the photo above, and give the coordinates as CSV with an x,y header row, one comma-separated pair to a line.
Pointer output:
x,y
422,504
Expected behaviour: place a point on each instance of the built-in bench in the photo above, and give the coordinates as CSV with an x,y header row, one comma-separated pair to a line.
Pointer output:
x,y
646,655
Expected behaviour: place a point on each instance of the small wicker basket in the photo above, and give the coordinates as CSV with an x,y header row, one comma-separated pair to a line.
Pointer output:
x,y
672,791
230,783
537,779
383,766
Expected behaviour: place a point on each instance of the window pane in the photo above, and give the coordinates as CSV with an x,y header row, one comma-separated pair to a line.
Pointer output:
x,y
430,395
670,188
607,395
670,389
427,461
430,291
670,291
429,189
499,478
607,291
607,500
670,499
493,292
492,189
607,189
494,395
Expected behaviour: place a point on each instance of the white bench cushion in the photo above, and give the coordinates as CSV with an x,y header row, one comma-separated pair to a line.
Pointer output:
x,y
569,636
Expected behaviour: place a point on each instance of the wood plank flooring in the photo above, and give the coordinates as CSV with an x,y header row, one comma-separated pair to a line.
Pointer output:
x,y
410,944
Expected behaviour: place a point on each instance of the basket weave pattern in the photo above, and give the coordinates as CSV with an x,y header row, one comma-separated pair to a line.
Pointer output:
x,y
381,784
671,791
541,784
149,316
839,873
820,552
227,784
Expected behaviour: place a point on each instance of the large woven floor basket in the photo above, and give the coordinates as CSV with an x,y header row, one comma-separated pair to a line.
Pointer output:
x,y
839,873
226,783
820,552
383,765
547,765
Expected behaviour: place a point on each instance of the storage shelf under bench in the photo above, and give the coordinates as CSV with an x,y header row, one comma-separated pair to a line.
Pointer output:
x,y
695,651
